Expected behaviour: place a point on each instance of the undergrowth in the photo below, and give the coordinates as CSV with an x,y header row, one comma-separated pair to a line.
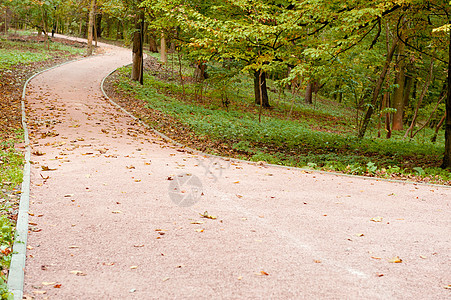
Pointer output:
x,y
290,142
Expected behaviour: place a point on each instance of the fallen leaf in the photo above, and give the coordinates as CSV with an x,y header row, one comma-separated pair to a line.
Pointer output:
x,y
395,260
375,257
379,274
73,247
359,234
423,257
38,153
138,246
263,273
46,168
199,230
376,219
134,267
116,212
448,287
69,195
165,279
29,247
240,277
197,222
317,261
207,216
48,283
78,273
57,286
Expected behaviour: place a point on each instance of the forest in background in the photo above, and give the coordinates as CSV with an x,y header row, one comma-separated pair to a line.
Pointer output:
x,y
386,62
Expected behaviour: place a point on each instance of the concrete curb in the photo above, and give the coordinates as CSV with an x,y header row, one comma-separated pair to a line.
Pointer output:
x,y
17,267
168,139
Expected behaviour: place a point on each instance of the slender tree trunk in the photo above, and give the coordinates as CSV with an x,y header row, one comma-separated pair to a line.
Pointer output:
x,y
260,89
309,93
377,90
163,51
423,93
152,43
137,56
398,96
398,99
407,89
447,156
437,128
90,26
430,116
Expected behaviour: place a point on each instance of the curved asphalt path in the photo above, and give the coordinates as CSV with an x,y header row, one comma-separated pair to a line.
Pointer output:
x,y
103,223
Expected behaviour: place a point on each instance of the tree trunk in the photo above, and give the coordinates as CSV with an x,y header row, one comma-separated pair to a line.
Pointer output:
x,y
163,52
447,156
398,99
309,93
90,27
152,43
377,90
407,89
264,100
423,93
137,56
99,25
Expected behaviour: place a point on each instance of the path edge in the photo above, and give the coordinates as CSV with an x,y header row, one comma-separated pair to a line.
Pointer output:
x,y
16,274
197,152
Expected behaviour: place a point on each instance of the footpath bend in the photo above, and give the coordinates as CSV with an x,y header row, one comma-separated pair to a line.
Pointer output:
x,y
118,213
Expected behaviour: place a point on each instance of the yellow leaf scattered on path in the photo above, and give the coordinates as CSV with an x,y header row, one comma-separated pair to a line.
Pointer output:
x,y
48,283
116,212
207,216
375,257
240,277
134,267
395,260
376,219
39,292
317,261
199,230
197,222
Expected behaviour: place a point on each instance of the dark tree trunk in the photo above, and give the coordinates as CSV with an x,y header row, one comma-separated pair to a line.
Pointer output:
x,y
137,56
99,25
309,93
153,43
447,156
377,90
264,96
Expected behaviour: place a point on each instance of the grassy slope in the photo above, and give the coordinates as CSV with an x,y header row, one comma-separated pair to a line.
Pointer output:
x,y
19,58
322,137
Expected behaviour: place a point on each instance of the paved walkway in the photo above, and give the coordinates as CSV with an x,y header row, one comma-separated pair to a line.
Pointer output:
x,y
110,215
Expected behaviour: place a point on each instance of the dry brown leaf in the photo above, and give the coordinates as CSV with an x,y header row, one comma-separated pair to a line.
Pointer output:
x,y
376,219
134,267
317,261
116,212
264,273
199,230
46,168
375,257
57,286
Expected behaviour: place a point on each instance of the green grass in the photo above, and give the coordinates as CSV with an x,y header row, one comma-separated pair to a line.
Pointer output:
x,y
14,52
292,142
